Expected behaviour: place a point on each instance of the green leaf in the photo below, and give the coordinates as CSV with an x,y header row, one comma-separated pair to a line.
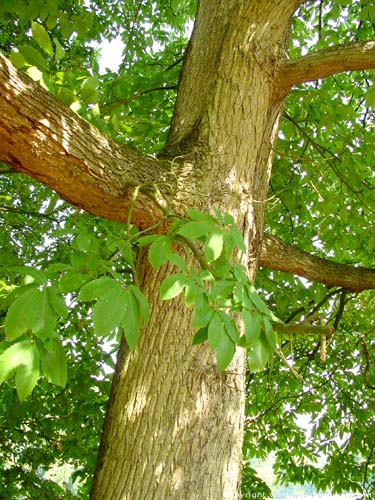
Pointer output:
x,y
32,275
178,261
46,325
192,292
89,90
226,219
109,311
240,273
60,51
228,246
98,288
41,36
174,4
66,96
33,57
172,286
65,24
202,312
224,352
213,245
215,330
201,216
257,300
54,363
242,342
144,306
222,290
196,229
34,73
219,340
147,240
127,252
230,326
370,96
82,23
30,311
57,302
83,240
131,320
258,357
159,251
72,280
237,238
28,372
13,357
270,333
17,60
206,275
252,326
237,294
200,336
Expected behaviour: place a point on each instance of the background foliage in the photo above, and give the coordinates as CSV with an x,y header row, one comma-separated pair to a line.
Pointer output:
x,y
321,199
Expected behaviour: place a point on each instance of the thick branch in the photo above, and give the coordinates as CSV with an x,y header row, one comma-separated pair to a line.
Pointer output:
x,y
347,57
302,328
46,140
277,255
42,138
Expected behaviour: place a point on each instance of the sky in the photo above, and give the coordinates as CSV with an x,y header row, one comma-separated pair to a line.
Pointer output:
x,y
110,54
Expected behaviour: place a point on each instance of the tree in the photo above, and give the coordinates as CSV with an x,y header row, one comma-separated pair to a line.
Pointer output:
x,y
175,422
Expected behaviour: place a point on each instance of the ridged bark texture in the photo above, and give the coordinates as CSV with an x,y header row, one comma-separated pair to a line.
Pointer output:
x,y
174,427
172,416
41,137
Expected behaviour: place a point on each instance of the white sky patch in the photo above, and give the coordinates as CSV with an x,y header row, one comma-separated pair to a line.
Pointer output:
x,y
111,51
110,54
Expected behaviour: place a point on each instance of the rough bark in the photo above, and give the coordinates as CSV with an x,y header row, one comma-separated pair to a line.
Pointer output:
x,y
185,441
29,141
322,63
46,140
97,174
172,428
277,255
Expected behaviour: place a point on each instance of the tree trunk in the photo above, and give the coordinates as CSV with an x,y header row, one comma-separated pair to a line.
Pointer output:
x,y
174,425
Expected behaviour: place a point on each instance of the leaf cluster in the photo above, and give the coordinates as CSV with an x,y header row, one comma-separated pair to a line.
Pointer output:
x,y
219,290
50,441
58,44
